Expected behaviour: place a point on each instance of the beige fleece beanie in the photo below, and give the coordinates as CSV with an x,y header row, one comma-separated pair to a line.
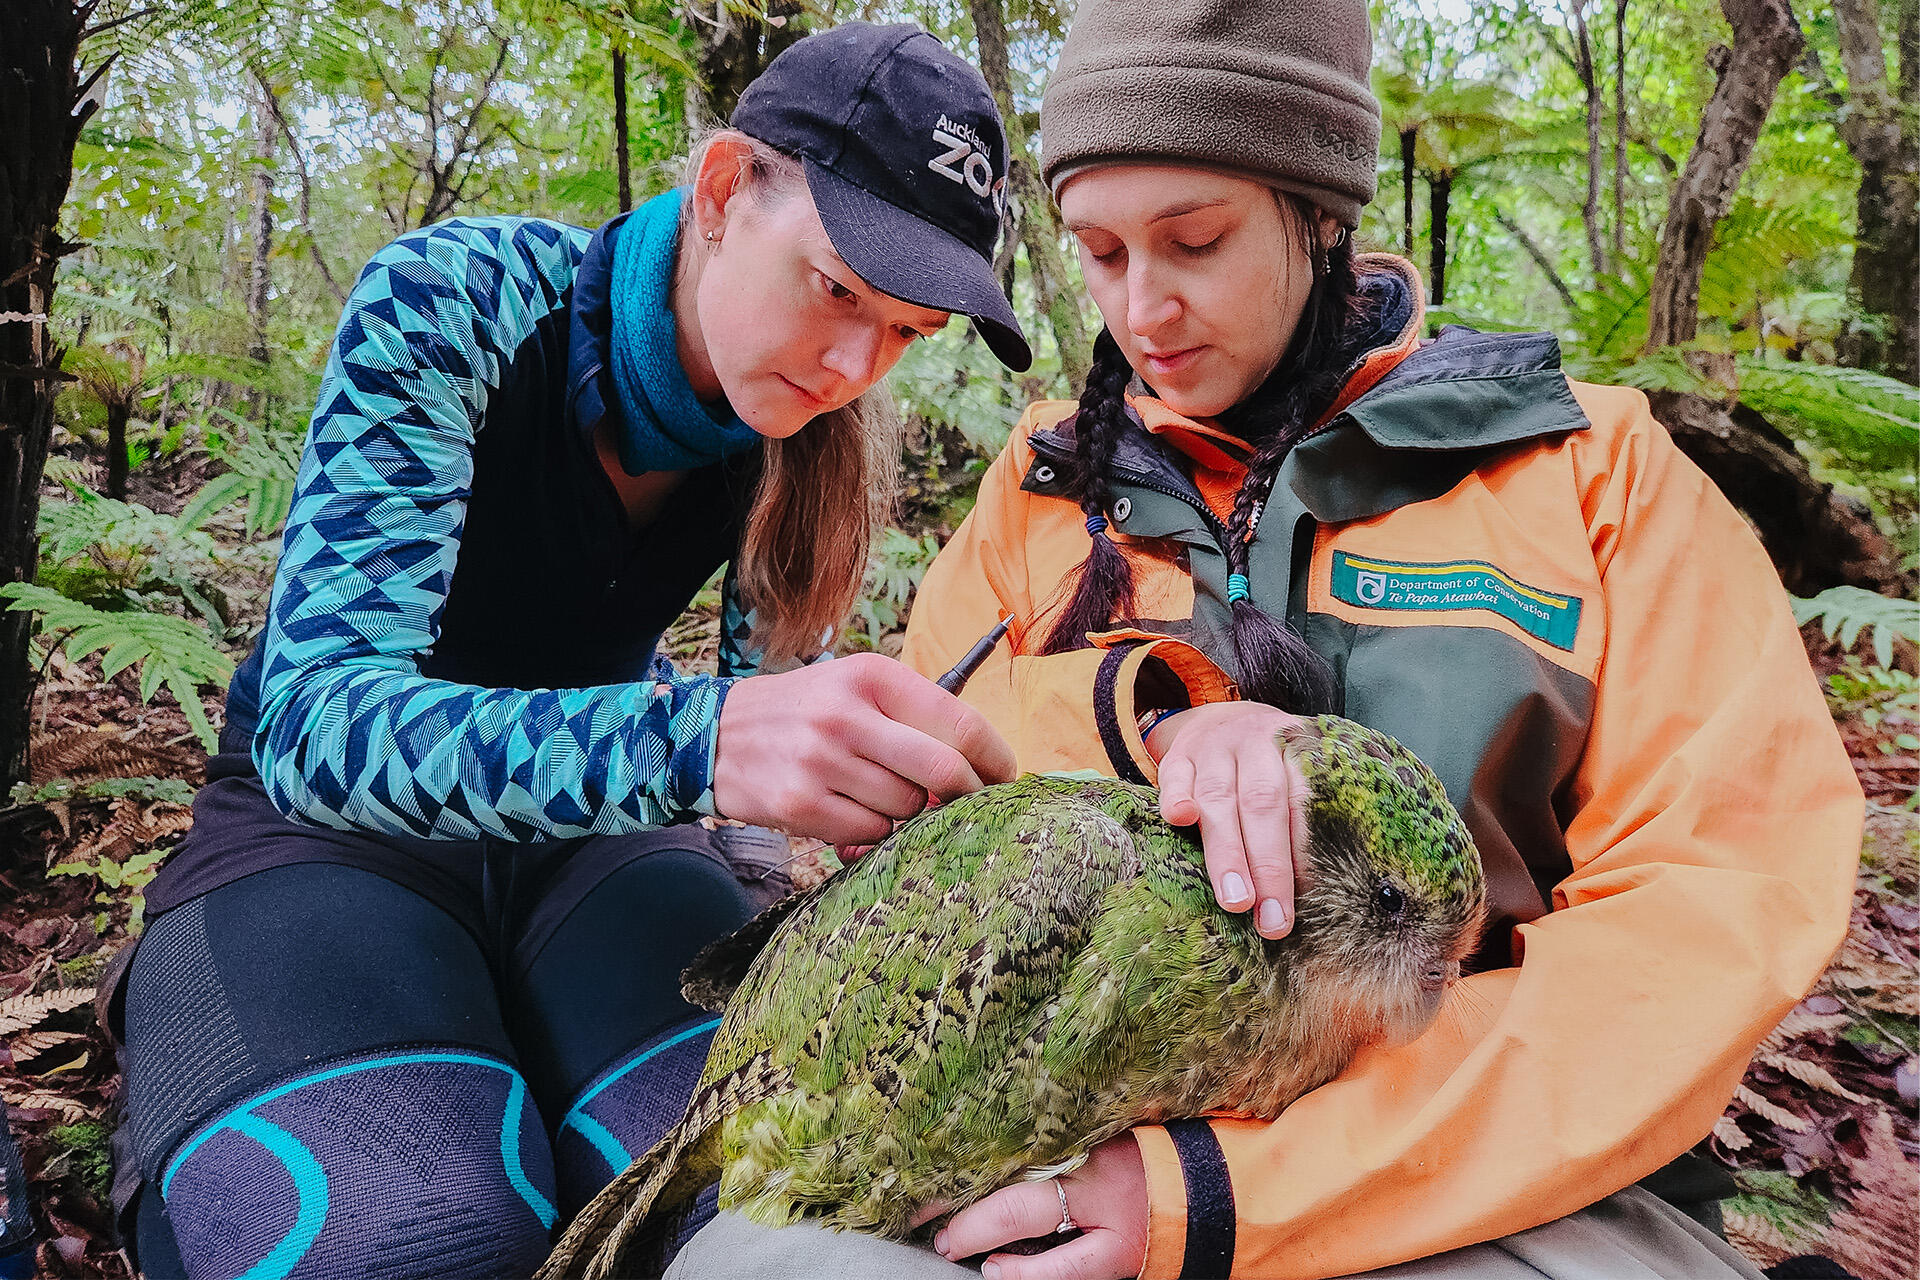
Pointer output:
x,y
1274,88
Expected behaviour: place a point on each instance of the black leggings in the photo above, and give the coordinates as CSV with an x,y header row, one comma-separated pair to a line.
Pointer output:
x,y
330,1075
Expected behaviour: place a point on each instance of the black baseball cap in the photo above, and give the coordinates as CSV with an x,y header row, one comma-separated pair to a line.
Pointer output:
x,y
907,163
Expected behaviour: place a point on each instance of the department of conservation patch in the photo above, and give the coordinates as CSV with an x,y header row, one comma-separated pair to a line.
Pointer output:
x,y
1456,584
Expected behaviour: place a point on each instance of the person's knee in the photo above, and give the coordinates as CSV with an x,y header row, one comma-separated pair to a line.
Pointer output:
x,y
430,1163
628,1108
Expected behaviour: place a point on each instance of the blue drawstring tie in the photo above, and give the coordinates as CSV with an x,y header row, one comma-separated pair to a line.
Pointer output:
x,y
1236,588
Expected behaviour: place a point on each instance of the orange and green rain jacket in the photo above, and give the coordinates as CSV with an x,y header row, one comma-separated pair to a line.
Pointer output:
x,y
1523,580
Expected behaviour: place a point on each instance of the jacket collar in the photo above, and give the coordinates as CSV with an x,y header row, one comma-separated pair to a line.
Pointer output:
x,y
590,332
1413,419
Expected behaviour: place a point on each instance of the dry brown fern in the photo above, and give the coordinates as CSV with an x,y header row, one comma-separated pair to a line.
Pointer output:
x,y
1878,1235
33,1044
83,754
23,1013
133,828
66,1108
1760,1240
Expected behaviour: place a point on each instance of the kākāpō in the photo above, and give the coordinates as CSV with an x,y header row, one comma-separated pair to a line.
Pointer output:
x,y
1016,976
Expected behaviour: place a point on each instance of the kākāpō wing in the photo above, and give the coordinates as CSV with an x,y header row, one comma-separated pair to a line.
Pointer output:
x,y
907,1005
903,1040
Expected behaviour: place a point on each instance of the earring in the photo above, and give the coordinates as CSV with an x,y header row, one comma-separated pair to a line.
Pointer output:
x,y
713,237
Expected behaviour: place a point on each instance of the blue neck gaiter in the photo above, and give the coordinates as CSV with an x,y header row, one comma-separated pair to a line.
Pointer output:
x,y
666,427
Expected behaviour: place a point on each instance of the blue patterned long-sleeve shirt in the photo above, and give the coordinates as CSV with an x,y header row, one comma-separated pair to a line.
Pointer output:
x,y
462,631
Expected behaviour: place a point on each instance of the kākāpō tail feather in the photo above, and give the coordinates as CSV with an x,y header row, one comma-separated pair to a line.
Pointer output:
x,y
654,1186
717,971
665,1181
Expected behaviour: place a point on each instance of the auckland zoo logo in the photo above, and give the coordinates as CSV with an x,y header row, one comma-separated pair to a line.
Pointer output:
x,y
1370,587
967,160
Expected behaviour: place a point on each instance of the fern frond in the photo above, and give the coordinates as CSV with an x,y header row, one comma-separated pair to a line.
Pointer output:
x,y
23,1013
261,470
1844,612
66,1108
86,758
35,1043
165,650
1871,420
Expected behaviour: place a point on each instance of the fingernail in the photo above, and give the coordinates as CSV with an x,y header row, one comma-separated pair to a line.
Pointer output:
x,y
989,1271
1273,916
940,1244
1233,888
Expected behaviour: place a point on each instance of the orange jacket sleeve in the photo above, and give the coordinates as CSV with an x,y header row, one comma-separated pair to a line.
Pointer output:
x,y
1061,711
1714,834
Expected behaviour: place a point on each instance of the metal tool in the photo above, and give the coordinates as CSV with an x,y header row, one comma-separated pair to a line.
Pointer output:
x,y
963,670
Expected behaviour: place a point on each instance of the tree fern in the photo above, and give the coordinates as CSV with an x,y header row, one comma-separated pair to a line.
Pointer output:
x,y
1859,425
164,649
1844,612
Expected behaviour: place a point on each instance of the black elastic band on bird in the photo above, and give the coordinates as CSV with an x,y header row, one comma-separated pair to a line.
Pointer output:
x,y
963,670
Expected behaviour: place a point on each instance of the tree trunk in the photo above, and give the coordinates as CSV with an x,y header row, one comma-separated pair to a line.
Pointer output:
x,y
306,190
259,277
735,48
1817,538
1590,82
1620,131
1439,194
1885,140
621,151
39,99
1766,42
1408,139
118,411
1038,222
1540,259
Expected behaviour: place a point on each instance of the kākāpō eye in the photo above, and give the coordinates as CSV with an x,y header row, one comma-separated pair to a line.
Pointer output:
x,y
1390,900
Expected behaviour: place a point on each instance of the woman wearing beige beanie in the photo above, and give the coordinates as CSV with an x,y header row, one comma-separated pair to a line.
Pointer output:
x,y
1275,497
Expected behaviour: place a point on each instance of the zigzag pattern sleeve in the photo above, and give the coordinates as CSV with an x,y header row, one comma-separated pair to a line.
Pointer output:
x,y
350,733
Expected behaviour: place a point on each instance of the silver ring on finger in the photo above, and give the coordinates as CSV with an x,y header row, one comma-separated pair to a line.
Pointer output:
x,y
1066,1219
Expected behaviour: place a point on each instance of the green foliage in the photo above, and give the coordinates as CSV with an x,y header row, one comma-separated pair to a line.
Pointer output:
x,y
165,650
1871,694
953,380
1870,421
131,877
893,575
1845,612
83,1150
260,470
110,553
169,790
1789,1203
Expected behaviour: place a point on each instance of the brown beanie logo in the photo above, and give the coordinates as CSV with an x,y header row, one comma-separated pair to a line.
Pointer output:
x,y
1326,137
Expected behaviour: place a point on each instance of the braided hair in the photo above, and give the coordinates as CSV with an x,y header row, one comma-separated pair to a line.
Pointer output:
x,y
1105,577
1276,664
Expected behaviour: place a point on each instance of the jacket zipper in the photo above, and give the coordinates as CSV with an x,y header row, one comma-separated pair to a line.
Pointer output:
x,y
1141,480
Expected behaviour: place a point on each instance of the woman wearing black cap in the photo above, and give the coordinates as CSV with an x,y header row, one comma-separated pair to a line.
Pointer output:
x,y
409,992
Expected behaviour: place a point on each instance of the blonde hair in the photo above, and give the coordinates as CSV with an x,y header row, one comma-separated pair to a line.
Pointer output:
x,y
824,493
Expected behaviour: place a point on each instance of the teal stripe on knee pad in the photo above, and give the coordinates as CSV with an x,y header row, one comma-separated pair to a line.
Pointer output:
x,y
309,1185
610,1148
242,1120
510,1155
